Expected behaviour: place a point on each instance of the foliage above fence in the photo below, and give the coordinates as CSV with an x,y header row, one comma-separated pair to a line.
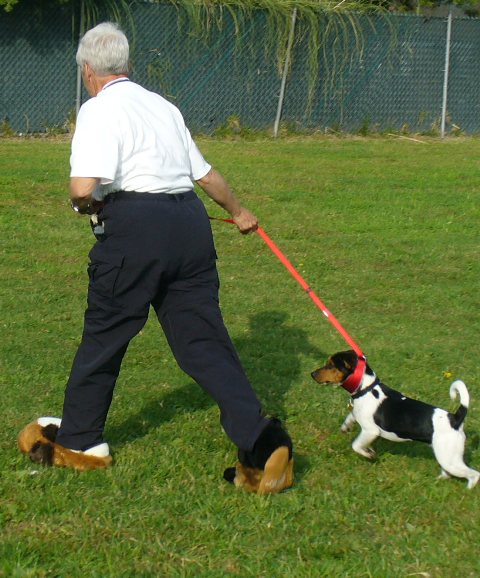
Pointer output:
x,y
93,6
471,7
347,71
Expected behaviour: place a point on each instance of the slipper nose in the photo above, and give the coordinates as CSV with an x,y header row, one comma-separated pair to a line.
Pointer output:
x,y
229,475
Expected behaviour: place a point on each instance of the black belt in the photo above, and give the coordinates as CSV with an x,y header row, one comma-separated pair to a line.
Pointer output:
x,y
134,196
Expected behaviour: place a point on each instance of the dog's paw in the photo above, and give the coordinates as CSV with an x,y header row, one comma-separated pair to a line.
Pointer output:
x,y
473,480
368,452
348,423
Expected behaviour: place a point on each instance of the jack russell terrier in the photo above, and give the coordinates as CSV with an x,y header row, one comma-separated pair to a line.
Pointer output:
x,y
384,412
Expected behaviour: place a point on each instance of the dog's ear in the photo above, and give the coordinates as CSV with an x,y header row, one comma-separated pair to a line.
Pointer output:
x,y
345,360
278,473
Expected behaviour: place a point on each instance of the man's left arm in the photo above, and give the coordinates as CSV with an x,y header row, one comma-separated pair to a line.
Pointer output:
x,y
81,194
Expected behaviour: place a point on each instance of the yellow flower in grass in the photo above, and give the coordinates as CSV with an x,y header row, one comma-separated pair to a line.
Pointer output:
x,y
447,374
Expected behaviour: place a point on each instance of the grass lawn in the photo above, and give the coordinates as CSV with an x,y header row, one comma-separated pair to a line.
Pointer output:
x,y
386,231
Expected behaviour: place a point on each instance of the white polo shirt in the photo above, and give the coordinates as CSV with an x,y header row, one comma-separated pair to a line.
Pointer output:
x,y
134,140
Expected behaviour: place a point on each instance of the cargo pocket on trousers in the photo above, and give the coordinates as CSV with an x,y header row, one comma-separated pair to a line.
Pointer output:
x,y
103,274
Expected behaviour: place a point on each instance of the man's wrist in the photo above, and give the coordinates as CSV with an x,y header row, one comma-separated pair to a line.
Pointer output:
x,y
86,206
236,211
80,208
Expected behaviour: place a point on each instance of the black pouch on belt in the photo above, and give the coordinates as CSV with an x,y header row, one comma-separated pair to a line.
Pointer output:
x,y
97,227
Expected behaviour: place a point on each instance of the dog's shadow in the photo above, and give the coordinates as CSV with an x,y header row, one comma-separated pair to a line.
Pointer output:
x,y
473,442
418,450
413,450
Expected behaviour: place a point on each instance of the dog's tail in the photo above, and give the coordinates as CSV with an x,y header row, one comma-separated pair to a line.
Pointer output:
x,y
460,389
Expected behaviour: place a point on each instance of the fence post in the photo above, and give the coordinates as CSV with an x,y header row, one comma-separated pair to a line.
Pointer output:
x,y
285,72
445,75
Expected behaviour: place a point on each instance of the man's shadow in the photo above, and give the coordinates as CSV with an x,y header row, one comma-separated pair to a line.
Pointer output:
x,y
189,398
270,352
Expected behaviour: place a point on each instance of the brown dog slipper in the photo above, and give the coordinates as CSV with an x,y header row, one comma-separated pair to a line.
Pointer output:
x,y
274,478
268,467
37,440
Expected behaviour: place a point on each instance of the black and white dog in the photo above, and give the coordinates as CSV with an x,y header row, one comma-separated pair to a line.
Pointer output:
x,y
384,412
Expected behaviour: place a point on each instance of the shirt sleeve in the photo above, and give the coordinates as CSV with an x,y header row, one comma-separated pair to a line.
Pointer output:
x,y
199,166
95,144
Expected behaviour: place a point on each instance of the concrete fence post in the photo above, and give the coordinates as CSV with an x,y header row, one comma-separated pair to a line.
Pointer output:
x,y
446,72
285,73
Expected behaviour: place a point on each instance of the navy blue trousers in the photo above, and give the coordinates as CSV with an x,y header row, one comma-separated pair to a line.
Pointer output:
x,y
157,251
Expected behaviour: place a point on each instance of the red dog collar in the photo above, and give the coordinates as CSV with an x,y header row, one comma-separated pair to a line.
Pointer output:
x,y
353,381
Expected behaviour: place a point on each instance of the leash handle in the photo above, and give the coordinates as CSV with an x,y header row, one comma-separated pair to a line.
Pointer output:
x,y
304,285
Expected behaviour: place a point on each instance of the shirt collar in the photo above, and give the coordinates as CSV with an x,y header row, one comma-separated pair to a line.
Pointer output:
x,y
117,80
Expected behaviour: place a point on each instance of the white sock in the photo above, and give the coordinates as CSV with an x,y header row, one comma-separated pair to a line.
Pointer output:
x,y
100,451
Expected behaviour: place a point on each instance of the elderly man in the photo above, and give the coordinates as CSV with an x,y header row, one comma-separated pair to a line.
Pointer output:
x,y
133,162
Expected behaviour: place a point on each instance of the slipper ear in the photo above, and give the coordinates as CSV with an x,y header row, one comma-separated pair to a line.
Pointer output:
x,y
50,432
278,472
41,454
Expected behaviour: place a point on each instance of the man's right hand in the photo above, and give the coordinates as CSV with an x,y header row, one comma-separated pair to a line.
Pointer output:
x,y
246,221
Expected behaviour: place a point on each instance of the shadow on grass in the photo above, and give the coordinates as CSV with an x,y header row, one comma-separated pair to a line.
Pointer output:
x,y
271,355
473,442
419,450
413,449
189,398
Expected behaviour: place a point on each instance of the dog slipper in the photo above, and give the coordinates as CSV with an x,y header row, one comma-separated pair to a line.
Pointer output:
x,y
37,440
268,467
275,477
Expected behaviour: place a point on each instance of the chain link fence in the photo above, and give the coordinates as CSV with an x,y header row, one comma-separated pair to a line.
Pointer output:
x,y
390,77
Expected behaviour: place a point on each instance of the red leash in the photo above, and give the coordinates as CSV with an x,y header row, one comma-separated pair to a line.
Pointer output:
x,y
352,383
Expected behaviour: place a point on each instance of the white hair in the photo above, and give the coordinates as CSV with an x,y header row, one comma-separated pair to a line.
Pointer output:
x,y
105,49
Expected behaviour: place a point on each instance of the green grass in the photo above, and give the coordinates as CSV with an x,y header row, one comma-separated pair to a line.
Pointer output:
x,y
386,233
